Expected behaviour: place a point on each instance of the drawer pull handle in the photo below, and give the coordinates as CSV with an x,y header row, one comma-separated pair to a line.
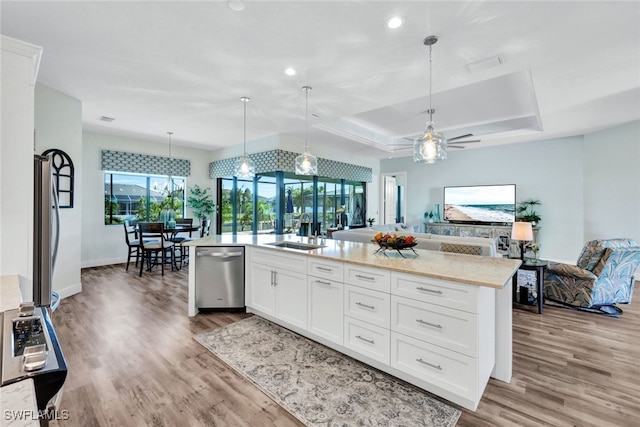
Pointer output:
x,y
438,367
322,282
365,305
323,268
429,324
365,339
360,276
420,288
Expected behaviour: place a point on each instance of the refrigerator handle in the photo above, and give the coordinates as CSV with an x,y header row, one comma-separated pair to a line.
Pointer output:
x,y
56,239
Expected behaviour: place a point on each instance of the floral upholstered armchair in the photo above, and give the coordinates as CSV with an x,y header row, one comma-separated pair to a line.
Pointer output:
x,y
603,275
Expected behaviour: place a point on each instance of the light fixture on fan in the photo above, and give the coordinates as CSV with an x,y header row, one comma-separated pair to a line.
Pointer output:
x,y
430,146
306,163
245,167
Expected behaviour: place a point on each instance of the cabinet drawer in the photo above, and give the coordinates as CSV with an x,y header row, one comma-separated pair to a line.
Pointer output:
x,y
452,329
331,270
435,291
279,259
367,305
369,340
443,368
370,278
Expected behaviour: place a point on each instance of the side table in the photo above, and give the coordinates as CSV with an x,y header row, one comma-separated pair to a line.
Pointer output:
x,y
537,266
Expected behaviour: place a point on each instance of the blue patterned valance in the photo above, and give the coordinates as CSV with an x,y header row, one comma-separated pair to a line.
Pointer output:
x,y
280,160
120,161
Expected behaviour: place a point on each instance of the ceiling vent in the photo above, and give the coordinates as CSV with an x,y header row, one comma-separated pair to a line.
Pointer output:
x,y
106,119
485,64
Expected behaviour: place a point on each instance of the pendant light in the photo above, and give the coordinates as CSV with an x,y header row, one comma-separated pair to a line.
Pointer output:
x,y
245,168
430,146
306,163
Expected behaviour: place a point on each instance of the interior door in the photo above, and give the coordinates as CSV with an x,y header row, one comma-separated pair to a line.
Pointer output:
x,y
389,203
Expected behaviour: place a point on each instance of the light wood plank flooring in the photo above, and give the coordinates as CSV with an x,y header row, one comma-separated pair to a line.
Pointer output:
x,y
132,362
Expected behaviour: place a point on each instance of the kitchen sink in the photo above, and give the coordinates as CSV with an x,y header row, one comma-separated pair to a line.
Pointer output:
x,y
296,245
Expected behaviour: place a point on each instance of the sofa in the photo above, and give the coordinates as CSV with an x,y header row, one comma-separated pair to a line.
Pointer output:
x,y
603,275
467,245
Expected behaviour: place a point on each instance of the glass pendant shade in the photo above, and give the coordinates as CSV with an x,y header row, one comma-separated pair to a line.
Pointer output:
x,y
430,146
306,163
245,168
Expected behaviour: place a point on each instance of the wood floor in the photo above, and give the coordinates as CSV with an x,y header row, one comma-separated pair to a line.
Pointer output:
x,y
132,362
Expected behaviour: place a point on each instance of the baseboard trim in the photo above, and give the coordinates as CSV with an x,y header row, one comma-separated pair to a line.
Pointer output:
x,y
69,290
102,262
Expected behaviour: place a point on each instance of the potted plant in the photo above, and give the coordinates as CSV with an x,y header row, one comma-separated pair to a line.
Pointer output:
x,y
201,202
371,221
526,211
429,216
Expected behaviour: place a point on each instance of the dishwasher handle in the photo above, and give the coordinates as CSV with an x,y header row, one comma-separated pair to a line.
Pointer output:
x,y
221,255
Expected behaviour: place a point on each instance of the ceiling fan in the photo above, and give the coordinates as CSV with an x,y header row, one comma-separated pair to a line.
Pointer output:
x,y
451,142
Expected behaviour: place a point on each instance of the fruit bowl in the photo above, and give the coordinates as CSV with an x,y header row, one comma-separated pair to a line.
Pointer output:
x,y
394,243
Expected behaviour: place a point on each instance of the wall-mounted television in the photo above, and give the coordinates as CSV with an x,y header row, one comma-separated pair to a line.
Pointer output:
x,y
480,204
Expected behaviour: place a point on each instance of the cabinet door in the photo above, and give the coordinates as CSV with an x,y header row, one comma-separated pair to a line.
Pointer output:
x,y
261,291
291,297
325,309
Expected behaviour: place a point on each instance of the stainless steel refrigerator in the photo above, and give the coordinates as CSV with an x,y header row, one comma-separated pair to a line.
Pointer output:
x,y
46,233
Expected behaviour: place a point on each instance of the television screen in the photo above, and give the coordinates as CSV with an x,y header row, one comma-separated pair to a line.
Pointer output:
x,y
480,203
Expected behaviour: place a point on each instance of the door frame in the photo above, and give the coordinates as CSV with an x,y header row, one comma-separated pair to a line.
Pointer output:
x,y
382,193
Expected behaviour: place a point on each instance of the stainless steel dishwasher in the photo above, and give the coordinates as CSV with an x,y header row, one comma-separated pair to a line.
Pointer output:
x,y
220,277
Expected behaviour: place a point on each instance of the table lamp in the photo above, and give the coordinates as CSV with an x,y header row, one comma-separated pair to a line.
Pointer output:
x,y
522,231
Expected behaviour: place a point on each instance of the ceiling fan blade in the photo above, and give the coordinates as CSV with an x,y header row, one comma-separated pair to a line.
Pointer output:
x,y
471,141
460,137
455,146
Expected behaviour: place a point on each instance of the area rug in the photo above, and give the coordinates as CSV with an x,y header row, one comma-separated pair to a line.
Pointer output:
x,y
318,385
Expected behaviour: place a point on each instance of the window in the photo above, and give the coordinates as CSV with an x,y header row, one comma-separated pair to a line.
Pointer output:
x,y
141,197
243,212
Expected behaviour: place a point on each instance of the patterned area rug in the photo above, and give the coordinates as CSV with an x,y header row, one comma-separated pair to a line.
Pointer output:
x,y
318,385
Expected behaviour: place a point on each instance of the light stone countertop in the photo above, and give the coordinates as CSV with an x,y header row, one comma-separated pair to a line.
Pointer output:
x,y
470,269
18,400
18,403
10,295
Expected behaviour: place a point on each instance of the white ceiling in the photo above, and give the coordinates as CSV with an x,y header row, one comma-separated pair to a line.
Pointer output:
x,y
569,68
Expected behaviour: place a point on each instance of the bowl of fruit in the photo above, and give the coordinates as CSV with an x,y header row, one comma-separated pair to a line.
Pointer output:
x,y
393,241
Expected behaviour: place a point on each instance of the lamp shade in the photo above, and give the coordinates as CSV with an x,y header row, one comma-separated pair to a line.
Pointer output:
x,y
522,231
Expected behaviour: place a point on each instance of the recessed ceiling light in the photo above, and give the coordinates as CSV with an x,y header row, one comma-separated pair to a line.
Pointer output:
x,y
290,71
237,5
485,64
394,22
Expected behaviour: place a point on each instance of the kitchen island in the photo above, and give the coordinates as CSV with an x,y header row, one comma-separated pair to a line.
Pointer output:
x,y
438,320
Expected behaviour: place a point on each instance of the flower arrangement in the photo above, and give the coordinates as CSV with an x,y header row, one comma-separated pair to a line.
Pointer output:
x,y
535,248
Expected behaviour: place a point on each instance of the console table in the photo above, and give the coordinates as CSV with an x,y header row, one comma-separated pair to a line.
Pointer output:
x,y
502,233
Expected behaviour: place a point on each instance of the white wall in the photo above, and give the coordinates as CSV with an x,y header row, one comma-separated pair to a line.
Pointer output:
x,y
104,244
19,68
58,124
612,183
589,185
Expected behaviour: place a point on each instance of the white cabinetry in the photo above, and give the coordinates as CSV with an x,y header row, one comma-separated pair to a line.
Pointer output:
x,y
277,285
436,334
325,299
443,334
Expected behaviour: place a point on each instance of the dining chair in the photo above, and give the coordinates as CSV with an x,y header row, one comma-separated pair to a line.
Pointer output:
x,y
133,244
154,248
183,251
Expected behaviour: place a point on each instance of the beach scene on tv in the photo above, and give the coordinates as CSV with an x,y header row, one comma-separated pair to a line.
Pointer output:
x,y
495,203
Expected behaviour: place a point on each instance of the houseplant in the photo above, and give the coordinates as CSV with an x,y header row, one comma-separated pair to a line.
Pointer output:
x,y
201,202
526,211
371,221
